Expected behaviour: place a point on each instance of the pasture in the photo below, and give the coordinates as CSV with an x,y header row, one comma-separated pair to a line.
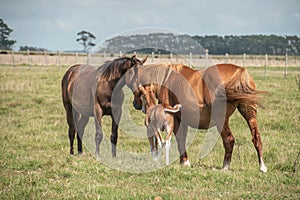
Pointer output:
x,y
35,161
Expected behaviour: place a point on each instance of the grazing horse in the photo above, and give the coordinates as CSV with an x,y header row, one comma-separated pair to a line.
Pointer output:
x,y
208,98
87,92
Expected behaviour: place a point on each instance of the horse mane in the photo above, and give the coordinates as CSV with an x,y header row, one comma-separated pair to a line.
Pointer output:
x,y
177,67
111,70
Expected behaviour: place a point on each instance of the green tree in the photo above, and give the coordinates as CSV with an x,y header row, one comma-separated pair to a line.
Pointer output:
x,y
86,39
5,42
30,48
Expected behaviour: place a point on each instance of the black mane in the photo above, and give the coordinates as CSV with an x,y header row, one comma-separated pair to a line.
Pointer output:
x,y
112,69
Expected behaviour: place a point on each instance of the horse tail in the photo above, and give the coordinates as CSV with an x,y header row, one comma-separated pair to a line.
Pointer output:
x,y
65,85
174,109
241,89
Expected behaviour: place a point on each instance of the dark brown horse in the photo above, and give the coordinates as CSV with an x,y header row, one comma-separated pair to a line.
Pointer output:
x,y
208,98
87,92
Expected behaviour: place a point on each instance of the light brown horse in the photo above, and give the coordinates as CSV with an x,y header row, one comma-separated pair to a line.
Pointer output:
x,y
87,92
157,119
208,98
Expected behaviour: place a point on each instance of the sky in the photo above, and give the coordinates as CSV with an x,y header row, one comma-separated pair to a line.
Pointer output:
x,y
54,24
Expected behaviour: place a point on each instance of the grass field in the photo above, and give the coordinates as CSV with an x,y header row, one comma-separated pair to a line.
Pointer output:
x,y
35,161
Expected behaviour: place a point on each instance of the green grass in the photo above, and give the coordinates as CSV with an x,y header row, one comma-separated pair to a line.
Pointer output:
x,y
35,161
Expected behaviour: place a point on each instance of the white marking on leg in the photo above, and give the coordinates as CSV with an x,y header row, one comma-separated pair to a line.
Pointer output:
x,y
262,166
226,165
187,163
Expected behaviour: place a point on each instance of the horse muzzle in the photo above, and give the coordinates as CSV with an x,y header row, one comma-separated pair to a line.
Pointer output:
x,y
137,106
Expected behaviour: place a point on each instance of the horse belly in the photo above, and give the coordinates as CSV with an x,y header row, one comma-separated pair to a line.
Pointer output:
x,y
83,103
200,119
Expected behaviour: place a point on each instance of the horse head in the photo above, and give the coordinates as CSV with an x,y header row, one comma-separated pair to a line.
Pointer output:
x,y
131,80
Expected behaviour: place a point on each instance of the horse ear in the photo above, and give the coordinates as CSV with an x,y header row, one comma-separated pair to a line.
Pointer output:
x,y
144,60
133,57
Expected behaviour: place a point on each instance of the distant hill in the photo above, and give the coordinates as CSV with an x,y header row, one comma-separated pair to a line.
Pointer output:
x,y
159,43
164,43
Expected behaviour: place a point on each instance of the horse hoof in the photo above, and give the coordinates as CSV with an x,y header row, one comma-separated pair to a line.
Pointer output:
x,y
263,169
225,169
186,163
79,152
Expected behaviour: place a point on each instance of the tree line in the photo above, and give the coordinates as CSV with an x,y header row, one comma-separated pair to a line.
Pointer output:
x,y
250,44
217,45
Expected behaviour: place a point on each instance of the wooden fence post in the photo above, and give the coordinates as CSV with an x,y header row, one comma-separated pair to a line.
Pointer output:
x,y
76,57
266,62
58,59
226,57
88,58
45,53
152,57
13,58
206,57
285,65
190,61
28,56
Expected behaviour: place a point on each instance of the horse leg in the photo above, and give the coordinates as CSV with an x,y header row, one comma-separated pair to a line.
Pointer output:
x,y
168,147
72,130
169,130
152,141
71,124
228,143
114,130
81,125
114,137
99,134
180,131
249,113
221,113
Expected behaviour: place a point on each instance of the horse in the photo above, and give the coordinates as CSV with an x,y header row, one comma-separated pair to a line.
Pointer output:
x,y
157,119
208,97
87,92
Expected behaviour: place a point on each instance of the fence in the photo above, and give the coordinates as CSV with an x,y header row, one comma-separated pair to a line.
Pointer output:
x,y
261,62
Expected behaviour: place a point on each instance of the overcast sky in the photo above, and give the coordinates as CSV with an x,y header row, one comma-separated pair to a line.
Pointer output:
x,y
53,24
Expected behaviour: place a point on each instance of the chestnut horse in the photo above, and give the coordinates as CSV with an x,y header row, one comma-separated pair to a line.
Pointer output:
x,y
87,92
208,98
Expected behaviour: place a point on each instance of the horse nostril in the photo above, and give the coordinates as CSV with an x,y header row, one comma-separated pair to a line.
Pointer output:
x,y
136,106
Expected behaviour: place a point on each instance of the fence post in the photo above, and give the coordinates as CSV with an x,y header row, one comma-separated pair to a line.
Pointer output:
x,y
45,53
285,65
58,59
76,57
28,55
226,57
13,58
206,57
266,62
88,58
120,54
152,57
190,62
244,59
